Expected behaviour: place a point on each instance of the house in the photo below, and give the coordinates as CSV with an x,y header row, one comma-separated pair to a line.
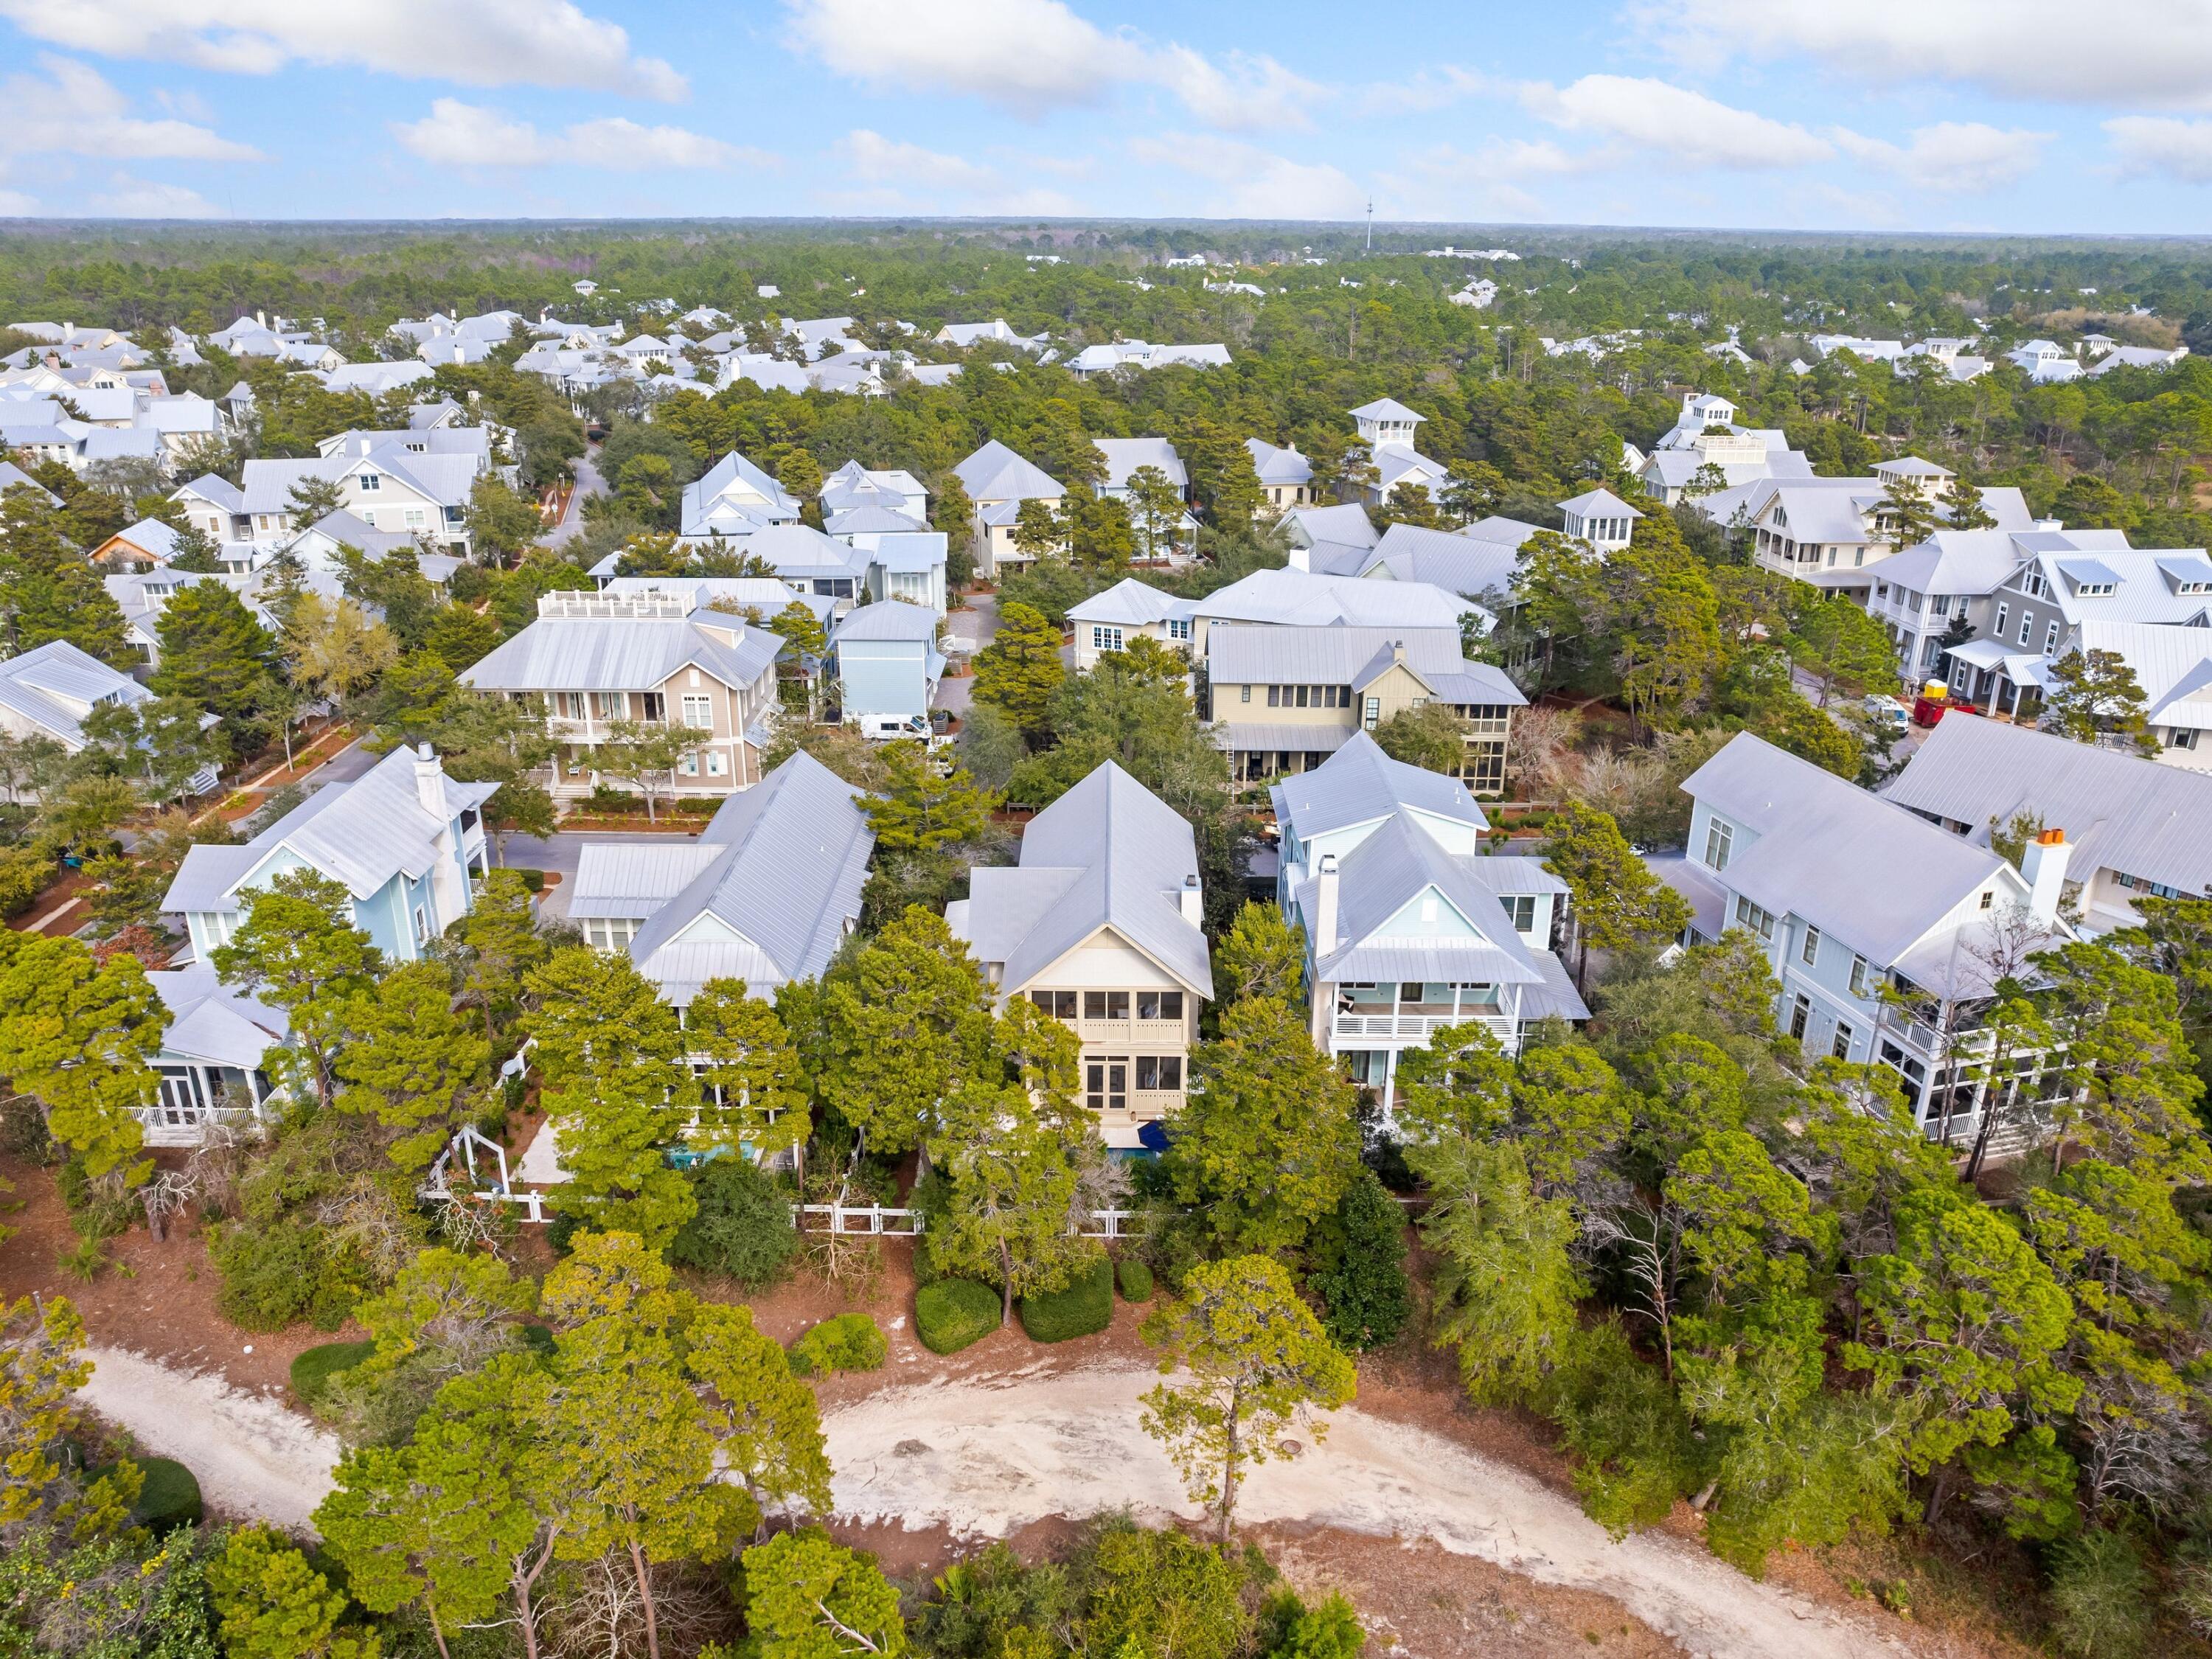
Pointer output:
x,y
1601,519
2037,614
1286,476
998,482
1286,698
1106,622
317,547
1336,536
403,840
13,476
1135,356
1386,427
766,895
377,378
886,659
138,546
1101,926
964,335
853,486
1296,598
1825,346
2136,828
1830,531
1856,902
1706,450
2138,357
1124,457
49,691
733,497
2045,362
417,482
212,1062
596,658
1383,875
1925,594
766,597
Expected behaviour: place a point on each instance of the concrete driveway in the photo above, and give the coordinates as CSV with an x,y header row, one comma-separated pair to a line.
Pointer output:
x,y
974,628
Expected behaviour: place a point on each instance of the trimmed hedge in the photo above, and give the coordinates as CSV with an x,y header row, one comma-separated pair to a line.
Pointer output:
x,y
847,1342
313,1370
170,1498
1085,1307
952,1313
1136,1280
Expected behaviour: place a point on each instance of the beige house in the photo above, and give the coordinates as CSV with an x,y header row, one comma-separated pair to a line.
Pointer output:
x,y
1284,699
1100,926
595,658
998,482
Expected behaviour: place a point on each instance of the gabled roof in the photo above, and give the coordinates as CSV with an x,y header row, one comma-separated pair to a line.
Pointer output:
x,y
1356,657
1109,853
1360,784
780,894
361,834
887,619
1125,455
996,473
211,1022
1455,561
1128,603
1279,464
54,685
1346,525
1854,865
1378,879
2119,811
734,482
623,653
2173,664
1306,599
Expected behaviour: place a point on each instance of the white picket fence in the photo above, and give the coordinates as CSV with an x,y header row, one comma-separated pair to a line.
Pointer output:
x,y
874,1220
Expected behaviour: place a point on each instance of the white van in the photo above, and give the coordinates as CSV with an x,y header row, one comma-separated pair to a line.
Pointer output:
x,y
890,728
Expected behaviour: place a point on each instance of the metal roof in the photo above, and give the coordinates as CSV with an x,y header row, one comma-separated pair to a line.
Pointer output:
x,y
1125,455
1354,657
996,473
634,878
887,619
2120,812
624,654
1309,598
1109,853
1360,784
1378,879
54,685
1128,603
212,1024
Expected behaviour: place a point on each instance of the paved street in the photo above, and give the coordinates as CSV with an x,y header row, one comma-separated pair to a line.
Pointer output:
x,y
975,628
588,483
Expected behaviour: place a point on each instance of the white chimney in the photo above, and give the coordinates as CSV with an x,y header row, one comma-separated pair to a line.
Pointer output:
x,y
430,783
262,318
1193,911
1325,908
2044,863
1301,559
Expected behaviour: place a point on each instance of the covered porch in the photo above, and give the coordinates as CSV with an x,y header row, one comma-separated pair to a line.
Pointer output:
x,y
1997,681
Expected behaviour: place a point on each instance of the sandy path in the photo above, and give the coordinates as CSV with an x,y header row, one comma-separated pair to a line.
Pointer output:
x,y
989,1457
254,1455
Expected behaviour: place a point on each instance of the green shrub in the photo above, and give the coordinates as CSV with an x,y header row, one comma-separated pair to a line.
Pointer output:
x,y
534,880
171,1497
277,1274
606,799
561,1230
952,1313
1359,1266
1136,1280
847,1342
742,1226
2100,1594
1083,1308
313,1370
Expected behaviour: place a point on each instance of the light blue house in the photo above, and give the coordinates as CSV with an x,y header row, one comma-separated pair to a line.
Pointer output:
x,y
214,1062
1887,935
404,841
887,658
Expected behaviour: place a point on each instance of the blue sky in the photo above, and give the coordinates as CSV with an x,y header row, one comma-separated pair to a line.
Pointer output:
x,y
2000,115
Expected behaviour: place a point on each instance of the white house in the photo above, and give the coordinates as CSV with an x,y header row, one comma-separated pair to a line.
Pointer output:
x,y
1386,427
733,497
997,482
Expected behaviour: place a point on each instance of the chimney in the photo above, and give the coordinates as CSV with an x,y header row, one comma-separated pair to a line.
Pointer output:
x,y
1193,911
1397,651
430,783
1325,908
2044,863
1301,559
262,318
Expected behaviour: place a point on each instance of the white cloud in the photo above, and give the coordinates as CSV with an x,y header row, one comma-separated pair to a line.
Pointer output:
x,y
1257,185
1952,156
455,134
2160,144
1659,119
877,160
485,43
1031,56
14,204
140,198
2157,52
72,109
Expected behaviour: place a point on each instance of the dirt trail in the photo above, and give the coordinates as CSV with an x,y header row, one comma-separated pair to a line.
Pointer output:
x,y
254,1456
984,1456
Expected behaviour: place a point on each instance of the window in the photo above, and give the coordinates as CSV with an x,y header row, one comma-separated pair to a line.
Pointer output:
x,y
1800,1015
699,712
655,706
689,766
414,518
422,926
718,763
1858,977
2144,885
1749,916
370,483
1841,1048
609,933
1159,1071
1105,1005
1809,952
2027,625
1061,1004
1372,716
1719,837
608,705
1999,630
1520,910
1105,639
2183,737
1179,630
1159,1004
2051,639
1106,1084
1245,692
1274,696
1989,900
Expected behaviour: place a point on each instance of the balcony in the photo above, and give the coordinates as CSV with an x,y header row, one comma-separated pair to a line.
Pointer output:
x,y
1412,1023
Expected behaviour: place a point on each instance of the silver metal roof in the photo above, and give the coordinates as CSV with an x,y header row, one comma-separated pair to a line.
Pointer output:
x,y
1360,784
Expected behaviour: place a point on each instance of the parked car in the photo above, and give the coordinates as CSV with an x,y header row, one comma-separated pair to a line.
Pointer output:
x,y
1889,711
890,728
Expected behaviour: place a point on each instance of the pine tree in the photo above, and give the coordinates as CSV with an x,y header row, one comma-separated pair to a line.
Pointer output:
x,y
811,1598
1261,955
414,1063
1020,668
499,944
1618,902
922,808
214,655
2095,694
296,949
753,1099
79,1036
